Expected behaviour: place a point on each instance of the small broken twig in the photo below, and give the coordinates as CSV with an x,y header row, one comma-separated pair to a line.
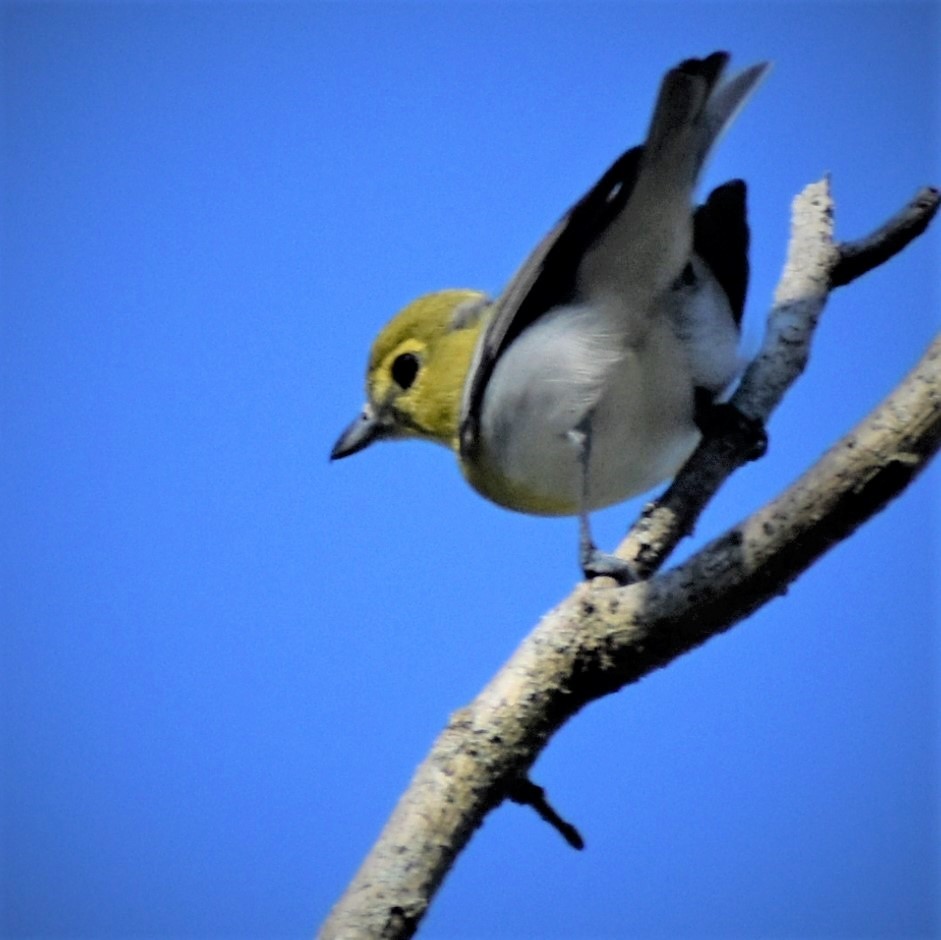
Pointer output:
x,y
523,791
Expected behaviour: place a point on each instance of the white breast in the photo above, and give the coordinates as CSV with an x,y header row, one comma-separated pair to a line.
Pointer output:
x,y
636,384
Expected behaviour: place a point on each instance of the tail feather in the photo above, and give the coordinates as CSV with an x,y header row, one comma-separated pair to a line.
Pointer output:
x,y
682,103
728,99
645,246
693,108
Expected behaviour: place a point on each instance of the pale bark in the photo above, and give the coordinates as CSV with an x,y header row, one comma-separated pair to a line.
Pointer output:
x,y
603,637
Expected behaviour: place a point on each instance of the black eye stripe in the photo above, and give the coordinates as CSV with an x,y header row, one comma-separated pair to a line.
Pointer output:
x,y
404,369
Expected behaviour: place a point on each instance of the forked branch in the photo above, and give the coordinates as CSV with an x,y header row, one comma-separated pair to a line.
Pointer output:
x,y
603,637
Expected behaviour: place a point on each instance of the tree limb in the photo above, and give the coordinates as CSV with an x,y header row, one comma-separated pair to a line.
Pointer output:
x,y
814,265
602,638
859,257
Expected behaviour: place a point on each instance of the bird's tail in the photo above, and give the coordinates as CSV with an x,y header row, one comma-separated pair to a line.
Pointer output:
x,y
646,244
693,108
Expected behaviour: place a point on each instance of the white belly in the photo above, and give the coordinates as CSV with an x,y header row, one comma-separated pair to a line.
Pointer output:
x,y
637,391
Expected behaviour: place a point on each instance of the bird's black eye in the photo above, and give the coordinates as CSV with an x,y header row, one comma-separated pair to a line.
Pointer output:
x,y
404,370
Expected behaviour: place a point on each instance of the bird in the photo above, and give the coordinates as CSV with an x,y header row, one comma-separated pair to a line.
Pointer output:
x,y
592,377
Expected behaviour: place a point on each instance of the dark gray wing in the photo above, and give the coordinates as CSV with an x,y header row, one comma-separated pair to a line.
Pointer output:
x,y
546,280
720,238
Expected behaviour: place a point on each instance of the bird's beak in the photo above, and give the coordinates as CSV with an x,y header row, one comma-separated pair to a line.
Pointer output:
x,y
364,430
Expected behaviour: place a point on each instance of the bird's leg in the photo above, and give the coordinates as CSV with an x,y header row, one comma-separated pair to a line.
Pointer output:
x,y
594,562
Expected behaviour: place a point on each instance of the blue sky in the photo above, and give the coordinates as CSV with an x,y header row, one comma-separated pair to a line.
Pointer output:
x,y
222,657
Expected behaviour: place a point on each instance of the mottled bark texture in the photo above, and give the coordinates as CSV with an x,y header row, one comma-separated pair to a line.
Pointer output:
x,y
603,636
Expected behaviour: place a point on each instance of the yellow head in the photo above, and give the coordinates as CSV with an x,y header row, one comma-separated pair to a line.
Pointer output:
x,y
416,372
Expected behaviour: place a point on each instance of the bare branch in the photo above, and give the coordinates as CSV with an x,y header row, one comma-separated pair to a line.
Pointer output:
x,y
799,300
526,793
602,638
814,265
856,258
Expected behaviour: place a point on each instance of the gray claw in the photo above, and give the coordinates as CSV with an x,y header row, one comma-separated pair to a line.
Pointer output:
x,y
598,564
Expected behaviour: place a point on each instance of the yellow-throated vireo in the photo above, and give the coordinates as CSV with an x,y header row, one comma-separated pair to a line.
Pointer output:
x,y
586,381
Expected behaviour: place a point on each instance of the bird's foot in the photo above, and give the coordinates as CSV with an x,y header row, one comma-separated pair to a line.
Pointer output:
x,y
722,419
598,564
